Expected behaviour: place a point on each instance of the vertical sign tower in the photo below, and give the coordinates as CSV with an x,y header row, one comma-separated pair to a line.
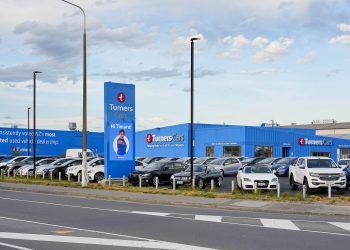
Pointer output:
x,y
119,129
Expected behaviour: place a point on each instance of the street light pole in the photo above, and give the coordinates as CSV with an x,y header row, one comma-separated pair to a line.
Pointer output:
x,y
84,179
34,118
191,127
28,152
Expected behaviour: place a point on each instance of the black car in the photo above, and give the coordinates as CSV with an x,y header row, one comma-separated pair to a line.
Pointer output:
x,y
251,161
62,168
347,174
202,175
282,166
162,170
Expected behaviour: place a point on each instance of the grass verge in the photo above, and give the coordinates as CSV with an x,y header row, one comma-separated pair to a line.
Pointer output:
x,y
186,191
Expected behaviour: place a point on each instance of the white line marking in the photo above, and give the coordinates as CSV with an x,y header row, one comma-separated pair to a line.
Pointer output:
x,y
14,246
150,213
208,218
281,224
99,241
342,225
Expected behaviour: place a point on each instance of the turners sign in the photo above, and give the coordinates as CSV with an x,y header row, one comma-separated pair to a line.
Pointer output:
x,y
305,141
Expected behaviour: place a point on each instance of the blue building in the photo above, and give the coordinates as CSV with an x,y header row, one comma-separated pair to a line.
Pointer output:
x,y
14,141
231,140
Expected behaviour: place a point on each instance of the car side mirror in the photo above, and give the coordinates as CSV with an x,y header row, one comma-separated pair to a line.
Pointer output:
x,y
301,166
165,168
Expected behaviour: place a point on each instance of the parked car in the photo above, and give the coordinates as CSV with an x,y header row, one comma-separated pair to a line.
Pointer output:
x,y
12,167
63,167
259,175
45,168
97,173
343,162
5,163
139,165
186,160
347,175
281,167
251,160
315,173
169,159
162,170
149,160
29,168
91,162
269,160
140,158
202,174
226,165
203,160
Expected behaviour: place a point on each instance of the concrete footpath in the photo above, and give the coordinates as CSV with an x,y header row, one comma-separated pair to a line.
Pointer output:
x,y
228,204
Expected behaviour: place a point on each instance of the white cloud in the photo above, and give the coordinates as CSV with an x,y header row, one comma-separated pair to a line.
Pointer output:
x,y
344,27
260,42
343,39
307,58
236,41
274,49
182,44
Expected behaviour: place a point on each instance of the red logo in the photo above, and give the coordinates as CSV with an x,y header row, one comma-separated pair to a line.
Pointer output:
x,y
14,149
121,97
149,138
301,141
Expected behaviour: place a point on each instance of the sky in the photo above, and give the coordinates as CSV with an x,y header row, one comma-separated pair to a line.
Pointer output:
x,y
256,61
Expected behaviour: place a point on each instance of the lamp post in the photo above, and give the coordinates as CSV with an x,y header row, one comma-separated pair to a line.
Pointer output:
x,y
191,127
84,177
34,118
28,152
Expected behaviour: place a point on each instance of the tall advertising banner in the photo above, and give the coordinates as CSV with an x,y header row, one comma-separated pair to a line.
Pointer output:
x,y
119,118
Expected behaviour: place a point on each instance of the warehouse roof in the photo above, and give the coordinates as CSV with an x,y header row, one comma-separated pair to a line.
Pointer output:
x,y
322,126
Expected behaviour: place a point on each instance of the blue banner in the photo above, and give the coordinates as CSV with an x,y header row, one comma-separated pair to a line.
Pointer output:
x,y
119,144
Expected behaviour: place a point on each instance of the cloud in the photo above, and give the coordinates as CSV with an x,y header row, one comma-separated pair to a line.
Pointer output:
x,y
285,4
335,72
172,84
260,42
236,41
182,44
274,49
344,27
307,58
342,39
203,72
7,117
143,75
186,90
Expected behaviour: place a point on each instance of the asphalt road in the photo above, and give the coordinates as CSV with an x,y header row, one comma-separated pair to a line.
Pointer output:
x,y
43,221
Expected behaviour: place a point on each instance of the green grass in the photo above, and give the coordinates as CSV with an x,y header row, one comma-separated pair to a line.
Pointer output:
x,y
186,191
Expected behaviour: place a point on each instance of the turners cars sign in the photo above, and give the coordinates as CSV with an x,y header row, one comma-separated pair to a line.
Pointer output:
x,y
175,140
305,141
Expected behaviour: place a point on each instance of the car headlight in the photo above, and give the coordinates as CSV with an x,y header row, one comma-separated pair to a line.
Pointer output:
x,y
342,174
314,174
146,175
172,177
274,180
247,179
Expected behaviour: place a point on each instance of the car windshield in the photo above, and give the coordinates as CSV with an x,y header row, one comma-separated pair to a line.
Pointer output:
x,y
217,161
267,160
257,170
199,160
248,160
284,160
198,169
154,166
59,162
344,162
321,163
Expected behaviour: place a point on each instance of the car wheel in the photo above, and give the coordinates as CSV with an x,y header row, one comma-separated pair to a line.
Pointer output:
x,y
154,180
99,176
306,183
293,186
219,183
341,190
201,183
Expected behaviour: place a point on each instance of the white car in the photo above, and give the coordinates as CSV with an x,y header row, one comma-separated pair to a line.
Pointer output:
x,y
259,175
316,172
75,170
29,168
97,173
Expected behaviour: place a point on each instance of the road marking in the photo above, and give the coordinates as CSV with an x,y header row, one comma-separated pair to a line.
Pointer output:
x,y
62,232
14,246
208,218
280,224
342,225
100,241
150,213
